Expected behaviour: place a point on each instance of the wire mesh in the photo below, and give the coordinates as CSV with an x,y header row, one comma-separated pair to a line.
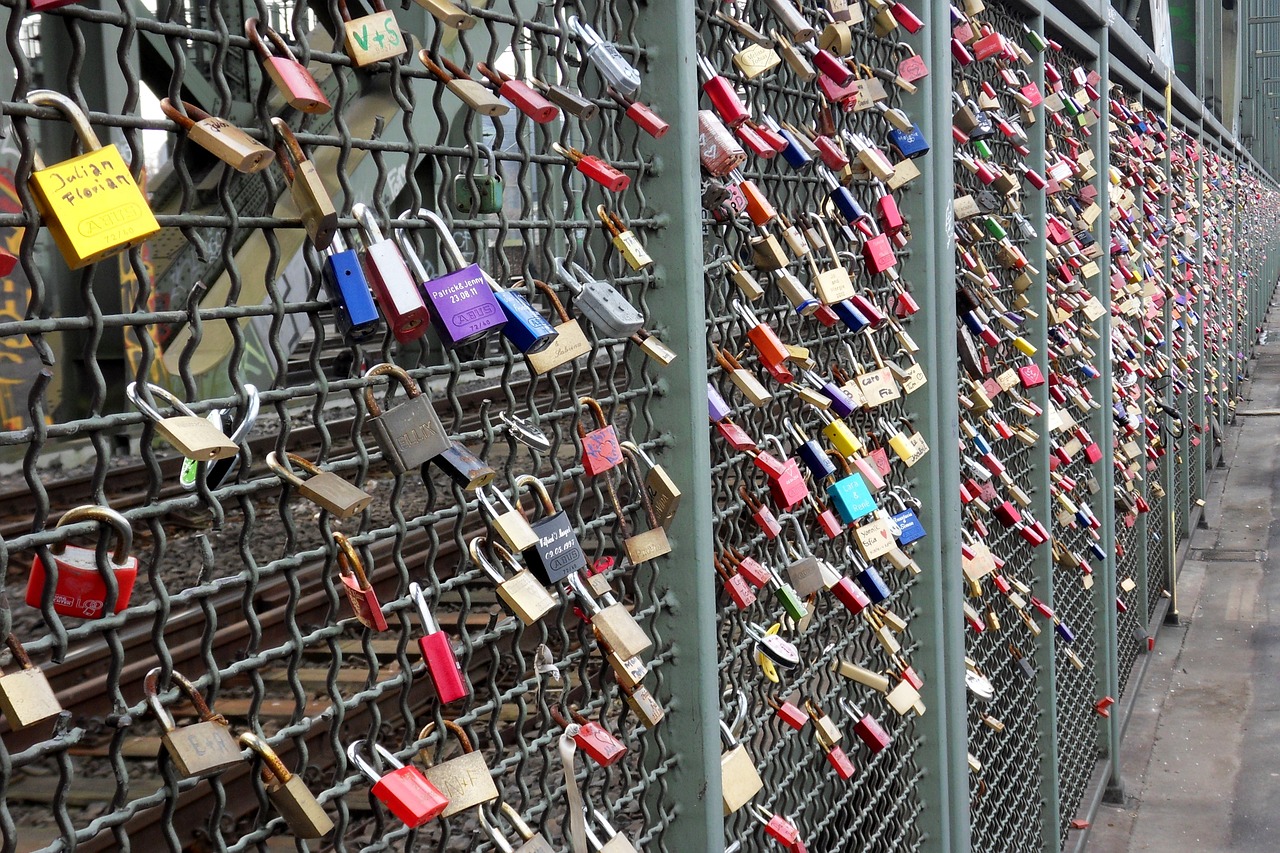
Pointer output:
x,y
238,587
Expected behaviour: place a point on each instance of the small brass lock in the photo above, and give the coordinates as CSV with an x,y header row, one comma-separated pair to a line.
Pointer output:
x,y
652,543
193,436
325,488
570,342
289,793
306,188
612,623
739,777
220,137
465,779
26,698
521,592
203,749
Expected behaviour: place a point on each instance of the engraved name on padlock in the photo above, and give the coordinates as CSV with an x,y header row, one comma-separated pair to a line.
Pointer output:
x,y
203,749
465,779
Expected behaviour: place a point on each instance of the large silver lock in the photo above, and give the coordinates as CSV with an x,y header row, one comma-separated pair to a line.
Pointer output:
x,y
607,309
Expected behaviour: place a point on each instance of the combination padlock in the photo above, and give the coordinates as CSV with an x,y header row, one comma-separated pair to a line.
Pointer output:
x,y
409,434
360,593
219,137
81,590
91,205
464,779
306,188
26,697
405,791
437,653
606,308
325,488
557,553
291,78
389,278
289,793
488,192
193,436
203,749
521,592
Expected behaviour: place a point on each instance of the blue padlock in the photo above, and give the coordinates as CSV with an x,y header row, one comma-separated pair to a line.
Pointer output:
x,y
526,328
355,313
853,319
908,523
909,143
871,582
795,155
811,453
843,199
850,496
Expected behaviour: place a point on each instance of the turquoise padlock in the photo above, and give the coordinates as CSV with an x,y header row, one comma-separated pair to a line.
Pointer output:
x,y
850,496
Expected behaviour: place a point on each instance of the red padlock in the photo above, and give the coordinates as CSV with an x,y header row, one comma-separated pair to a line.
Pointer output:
x,y
596,741
773,352
289,75
437,653
877,253
594,168
737,587
642,114
81,589
789,490
761,515
789,713
364,601
405,791
839,761
850,595
751,569
526,99
866,727
600,448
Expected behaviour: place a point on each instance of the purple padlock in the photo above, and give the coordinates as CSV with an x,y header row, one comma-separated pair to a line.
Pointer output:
x,y
717,408
841,405
464,308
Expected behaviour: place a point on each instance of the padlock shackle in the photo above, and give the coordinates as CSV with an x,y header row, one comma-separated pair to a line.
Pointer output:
x,y
579,587
556,304
75,115
474,548
419,597
449,250
458,72
612,222
425,57
366,223
151,687
573,275
250,415
584,31
427,730
752,503
633,465
396,372
103,515
841,461
377,5
282,469
288,147
522,829
274,766
500,841
573,154
254,30
640,452
186,117
497,78
349,562
548,506
20,655
366,769
596,409
131,392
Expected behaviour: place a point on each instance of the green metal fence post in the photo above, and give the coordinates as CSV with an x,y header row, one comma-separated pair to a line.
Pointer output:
x,y
688,690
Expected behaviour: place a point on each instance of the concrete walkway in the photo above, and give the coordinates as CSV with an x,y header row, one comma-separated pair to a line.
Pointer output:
x,y
1201,757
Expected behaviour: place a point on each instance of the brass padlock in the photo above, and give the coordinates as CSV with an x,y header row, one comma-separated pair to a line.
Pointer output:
x,y
648,544
823,725
315,207
767,252
510,524
203,749
521,592
193,436
26,697
410,433
533,842
472,93
449,14
570,343
325,488
371,38
287,791
91,205
624,240
643,704
740,781
466,779
220,137
612,623
663,491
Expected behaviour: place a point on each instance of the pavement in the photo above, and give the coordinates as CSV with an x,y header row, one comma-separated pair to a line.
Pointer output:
x,y
1201,756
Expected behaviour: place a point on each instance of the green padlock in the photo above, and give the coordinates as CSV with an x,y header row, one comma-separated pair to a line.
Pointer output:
x,y
488,188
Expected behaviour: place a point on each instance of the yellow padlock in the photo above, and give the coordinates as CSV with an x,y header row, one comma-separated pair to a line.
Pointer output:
x,y
90,204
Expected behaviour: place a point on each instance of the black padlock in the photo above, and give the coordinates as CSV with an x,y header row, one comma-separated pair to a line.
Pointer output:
x,y
463,467
557,553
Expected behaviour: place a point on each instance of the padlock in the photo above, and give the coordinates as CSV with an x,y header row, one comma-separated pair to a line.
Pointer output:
x,y
203,749
464,306
533,842
570,341
791,18
740,781
607,309
594,168
325,488
614,841
907,522
736,585
663,491
464,779
26,697
624,240
81,589
288,792
780,652
390,279
911,68
777,827
488,193
354,311
360,593
526,598
219,137
601,450
804,571
527,99
471,92
405,791
437,653
760,514
306,188
558,553
91,205
568,100
866,727
410,433
290,77
613,67
612,624
824,727
592,738
463,467
510,523
371,38
193,436
849,494
651,543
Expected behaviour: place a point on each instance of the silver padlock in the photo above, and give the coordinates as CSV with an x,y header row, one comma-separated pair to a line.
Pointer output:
x,y
606,308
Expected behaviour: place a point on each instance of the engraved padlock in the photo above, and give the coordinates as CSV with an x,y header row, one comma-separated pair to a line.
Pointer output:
x,y
487,195
26,697
651,543
570,341
193,436
405,791
219,137
521,592
290,76
288,792
465,308
464,779
606,308
371,38
81,589
91,205
203,749
325,488
355,582
409,434
558,553
306,188
740,781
